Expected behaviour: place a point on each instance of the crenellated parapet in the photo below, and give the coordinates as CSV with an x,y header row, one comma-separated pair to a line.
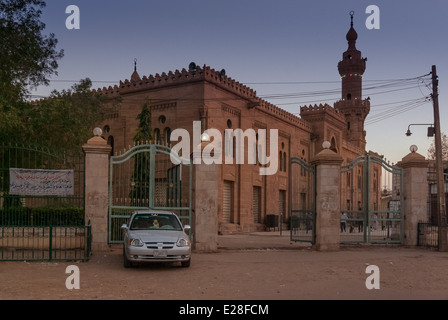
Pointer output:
x,y
220,79
317,108
318,112
283,114
208,74
353,106
181,77
109,91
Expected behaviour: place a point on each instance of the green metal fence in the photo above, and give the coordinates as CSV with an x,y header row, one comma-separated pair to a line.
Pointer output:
x,y
40,226
32,156
42,216
50,243
365,216
302,200
427,235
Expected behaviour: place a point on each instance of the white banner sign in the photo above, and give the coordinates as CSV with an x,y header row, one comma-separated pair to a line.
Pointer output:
x,y
35,182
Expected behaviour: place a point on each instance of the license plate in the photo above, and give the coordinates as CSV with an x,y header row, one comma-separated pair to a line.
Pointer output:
x,y
160,253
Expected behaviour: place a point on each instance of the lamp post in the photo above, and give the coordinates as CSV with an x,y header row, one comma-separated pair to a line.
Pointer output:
x,y
435,131
441,204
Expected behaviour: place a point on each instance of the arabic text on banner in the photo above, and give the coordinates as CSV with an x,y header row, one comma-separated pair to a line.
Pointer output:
x,y
37,182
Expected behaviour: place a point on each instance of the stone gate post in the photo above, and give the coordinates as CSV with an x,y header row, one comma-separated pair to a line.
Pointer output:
x,y
205,216
97,189
328,168
415,188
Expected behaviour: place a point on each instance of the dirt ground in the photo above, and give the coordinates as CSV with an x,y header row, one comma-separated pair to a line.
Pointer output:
x,y
255,266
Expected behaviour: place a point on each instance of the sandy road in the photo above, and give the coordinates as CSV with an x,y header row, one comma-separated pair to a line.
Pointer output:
x,y
238,273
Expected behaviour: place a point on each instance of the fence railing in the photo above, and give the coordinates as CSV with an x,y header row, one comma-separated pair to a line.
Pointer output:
x,y
302,224
42,216
427,235
46,243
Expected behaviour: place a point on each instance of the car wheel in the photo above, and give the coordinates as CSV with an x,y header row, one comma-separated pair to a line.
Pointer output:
x,y
185,264
126,262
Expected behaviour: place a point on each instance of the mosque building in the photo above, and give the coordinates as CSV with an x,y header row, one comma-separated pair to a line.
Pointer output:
x,y
210,97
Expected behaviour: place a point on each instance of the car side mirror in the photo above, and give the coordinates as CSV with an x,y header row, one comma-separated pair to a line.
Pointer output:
x,y
187,228
124,226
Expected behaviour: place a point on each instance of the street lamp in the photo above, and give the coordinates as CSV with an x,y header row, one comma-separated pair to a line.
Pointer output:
x,y
431,129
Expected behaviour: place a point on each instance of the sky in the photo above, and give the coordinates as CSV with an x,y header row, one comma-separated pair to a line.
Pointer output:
x,y
282,49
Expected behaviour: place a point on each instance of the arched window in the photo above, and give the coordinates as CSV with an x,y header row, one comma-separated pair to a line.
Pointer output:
x,y
167,136
284,161
110,141
157,137
281,160
333,145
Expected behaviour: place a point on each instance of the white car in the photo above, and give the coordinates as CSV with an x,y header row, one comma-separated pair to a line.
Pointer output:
x,y
155,236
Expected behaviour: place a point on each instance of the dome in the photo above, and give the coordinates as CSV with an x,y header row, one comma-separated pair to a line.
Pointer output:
x,y
352,35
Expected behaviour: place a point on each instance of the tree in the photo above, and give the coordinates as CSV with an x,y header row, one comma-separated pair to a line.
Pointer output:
x,y
66,119
144,130
432,149
141,176
27,56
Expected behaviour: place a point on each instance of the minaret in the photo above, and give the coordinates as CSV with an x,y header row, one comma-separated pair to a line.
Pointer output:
x,y
355,110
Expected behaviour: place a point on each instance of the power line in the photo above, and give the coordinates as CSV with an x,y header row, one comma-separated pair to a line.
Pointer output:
x,y
264,83
374,87
389,113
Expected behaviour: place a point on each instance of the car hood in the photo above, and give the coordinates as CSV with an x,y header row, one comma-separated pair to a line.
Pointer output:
x,y
158,235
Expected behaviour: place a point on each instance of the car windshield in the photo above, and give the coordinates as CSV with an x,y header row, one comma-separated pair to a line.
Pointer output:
x,y
155,221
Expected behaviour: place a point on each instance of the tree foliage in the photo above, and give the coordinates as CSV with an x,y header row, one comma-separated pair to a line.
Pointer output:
x,y
144,130
139,193
64,120
27,56
432,149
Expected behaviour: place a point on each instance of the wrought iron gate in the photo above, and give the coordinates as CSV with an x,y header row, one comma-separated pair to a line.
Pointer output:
x,y
302,182
371,198
143,178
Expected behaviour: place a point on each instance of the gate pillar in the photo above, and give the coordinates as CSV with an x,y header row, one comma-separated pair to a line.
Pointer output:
x,y
328,166
205,218
97,189
415,189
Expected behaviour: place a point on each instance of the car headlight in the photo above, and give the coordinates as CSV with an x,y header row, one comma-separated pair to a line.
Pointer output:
x,y
136,243
183,242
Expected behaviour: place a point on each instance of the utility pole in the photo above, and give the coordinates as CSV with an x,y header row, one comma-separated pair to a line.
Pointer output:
x,y
441,202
